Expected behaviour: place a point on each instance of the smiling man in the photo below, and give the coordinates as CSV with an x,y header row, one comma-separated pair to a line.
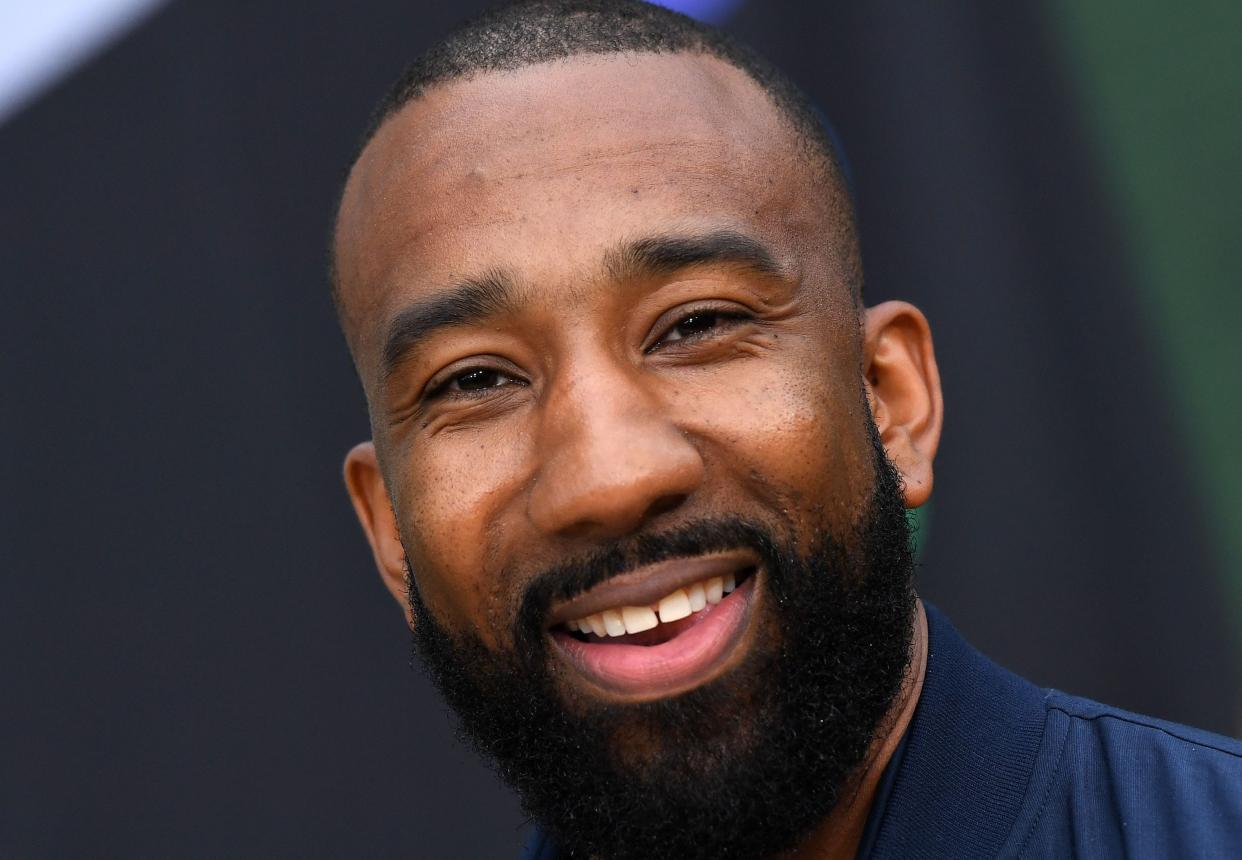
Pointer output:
x,y
640,466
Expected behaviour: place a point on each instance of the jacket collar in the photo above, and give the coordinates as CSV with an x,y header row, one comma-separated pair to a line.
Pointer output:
x,y
969,753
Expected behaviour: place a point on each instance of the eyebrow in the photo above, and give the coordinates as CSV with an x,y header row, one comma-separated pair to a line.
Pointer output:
x,y
465,302
666,254
471,300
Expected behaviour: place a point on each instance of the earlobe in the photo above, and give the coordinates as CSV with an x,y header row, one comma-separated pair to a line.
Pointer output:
x,y
903,388
369,494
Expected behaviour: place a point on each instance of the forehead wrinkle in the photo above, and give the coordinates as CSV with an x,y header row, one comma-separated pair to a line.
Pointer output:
x,y
642,155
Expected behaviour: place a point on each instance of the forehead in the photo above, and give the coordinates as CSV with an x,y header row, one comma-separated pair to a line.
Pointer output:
x,y
540,170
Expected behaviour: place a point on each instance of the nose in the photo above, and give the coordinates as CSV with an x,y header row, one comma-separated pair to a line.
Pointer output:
x,y
612,458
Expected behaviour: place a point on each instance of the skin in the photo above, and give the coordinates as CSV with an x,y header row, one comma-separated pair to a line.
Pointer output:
x,y
600,416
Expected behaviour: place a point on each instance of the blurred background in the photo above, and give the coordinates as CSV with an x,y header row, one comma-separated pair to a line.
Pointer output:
x,y
197,656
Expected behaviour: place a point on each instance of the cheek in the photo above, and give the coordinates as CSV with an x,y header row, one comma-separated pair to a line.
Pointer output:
x,y
796,437
452,500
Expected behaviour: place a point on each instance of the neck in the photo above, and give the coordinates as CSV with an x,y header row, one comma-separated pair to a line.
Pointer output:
x,y
839,835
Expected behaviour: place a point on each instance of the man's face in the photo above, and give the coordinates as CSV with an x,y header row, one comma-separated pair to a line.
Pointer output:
x,y
602,311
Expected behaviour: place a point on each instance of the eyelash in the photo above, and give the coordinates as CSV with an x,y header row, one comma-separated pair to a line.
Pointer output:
x,y
725,316
441,390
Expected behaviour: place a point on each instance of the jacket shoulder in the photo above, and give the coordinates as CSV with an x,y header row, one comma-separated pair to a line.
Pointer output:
x,y
1132,785
1118,726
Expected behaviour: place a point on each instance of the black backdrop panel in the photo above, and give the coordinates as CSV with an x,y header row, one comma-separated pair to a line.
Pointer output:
x,y
199,658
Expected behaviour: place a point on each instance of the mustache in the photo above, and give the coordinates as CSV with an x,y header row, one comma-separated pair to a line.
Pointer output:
x,y
698,537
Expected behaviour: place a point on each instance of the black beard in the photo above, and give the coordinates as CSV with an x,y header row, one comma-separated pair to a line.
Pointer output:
x,y
742,767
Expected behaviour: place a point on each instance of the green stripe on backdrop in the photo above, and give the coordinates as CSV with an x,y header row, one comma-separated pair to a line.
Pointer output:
x,y
1161,89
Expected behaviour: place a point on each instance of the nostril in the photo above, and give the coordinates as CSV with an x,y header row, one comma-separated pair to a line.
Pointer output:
x,y
663,505
615,515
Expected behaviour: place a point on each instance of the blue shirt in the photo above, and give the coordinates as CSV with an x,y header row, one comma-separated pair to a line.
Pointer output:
x,y
993,766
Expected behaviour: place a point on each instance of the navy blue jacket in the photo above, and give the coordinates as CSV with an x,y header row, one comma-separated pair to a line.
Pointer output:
x,y
993,766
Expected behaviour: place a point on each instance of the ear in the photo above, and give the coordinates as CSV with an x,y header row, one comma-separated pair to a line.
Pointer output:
x,y
903,387
367,491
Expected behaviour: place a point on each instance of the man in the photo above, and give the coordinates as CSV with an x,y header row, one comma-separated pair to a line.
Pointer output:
x,y
640,468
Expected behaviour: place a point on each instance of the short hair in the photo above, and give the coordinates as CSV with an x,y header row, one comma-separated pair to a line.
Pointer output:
x,y
522,33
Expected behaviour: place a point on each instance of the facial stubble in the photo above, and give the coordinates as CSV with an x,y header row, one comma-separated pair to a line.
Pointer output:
x,y
742,767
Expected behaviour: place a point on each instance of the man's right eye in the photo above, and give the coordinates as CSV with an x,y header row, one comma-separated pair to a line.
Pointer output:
x,y
472,381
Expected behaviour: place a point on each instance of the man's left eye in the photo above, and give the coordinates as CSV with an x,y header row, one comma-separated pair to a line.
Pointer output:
x,y
699,324
479,378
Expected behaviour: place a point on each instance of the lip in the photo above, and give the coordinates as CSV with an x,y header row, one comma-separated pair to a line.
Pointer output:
x,y
646,585
690,659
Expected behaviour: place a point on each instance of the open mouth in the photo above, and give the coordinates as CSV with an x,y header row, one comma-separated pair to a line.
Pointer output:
x,y
660,630
661,621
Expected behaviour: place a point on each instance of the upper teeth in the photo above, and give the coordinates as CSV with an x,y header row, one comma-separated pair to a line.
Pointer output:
x,y
672,607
